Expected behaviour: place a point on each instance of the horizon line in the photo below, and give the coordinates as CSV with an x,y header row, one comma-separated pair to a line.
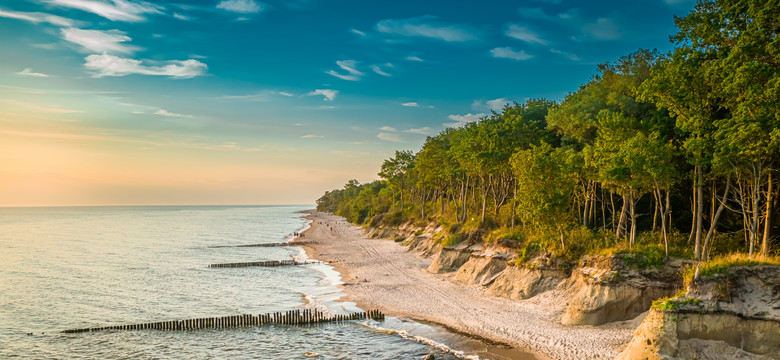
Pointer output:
x,y
149,205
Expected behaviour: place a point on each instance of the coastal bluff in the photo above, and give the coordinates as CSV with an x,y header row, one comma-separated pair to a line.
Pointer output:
x,y
598,290
731,315
736,315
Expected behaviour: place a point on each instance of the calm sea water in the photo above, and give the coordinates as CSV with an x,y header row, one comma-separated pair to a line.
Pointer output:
x,y
63,268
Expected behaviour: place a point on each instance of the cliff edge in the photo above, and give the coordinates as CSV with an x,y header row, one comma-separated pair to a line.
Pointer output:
x,y
734,314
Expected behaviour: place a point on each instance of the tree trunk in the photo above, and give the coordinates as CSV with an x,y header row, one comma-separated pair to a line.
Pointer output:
x,y
592,212
693,215
586,208
514,206
621,226
485,190
563,246
632,236
441,199
655,210
714,222
756,195
424,195
658,197
612,210
770,209
699,209
603,209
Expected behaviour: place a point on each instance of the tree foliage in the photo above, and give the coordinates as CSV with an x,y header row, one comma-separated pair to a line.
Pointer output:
x,y
696,129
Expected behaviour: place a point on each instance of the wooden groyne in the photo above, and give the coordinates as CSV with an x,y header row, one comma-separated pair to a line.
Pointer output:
x,y
271,263
265,244
293,317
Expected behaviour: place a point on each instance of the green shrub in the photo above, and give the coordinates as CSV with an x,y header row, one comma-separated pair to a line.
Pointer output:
x,y
674,303
451,240
394,218
528,251
720,264
643,256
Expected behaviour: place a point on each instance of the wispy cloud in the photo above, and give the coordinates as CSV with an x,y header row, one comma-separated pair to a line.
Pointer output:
x,y
240,6
389,137
350,66
111,41
228,146
261,96
163,112
509,53
30,72
497,104
490,105
358,32
342,76
116,10
460,120
110,65
388,129
602,29
427,27
37,17
570,56
378,69
416,105
182,17
312,136
328,94
265,95
414,58
422,131
524,34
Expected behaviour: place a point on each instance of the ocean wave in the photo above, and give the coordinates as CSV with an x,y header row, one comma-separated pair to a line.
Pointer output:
x,y
422,340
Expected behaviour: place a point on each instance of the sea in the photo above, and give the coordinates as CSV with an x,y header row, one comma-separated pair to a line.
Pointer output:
x,y
80,267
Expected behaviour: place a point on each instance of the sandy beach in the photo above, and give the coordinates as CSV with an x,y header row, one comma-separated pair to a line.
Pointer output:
x,y
381,274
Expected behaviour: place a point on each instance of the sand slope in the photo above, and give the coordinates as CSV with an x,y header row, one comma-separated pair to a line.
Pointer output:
x,y
381,274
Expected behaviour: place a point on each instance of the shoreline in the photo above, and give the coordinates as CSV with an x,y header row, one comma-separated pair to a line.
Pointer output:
x,y
381,274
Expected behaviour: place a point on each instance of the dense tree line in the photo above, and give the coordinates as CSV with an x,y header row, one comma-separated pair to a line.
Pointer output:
x,y
653,146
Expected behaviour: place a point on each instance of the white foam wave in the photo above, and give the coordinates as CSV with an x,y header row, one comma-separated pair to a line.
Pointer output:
x,y
423,340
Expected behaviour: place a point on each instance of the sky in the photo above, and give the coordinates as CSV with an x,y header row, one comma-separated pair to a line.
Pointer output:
x,y
123,102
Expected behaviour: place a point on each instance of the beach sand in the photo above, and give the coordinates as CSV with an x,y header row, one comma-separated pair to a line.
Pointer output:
x,y
381,274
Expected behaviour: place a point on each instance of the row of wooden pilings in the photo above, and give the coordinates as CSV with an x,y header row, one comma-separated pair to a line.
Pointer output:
x,y
265,244
293,317
271,263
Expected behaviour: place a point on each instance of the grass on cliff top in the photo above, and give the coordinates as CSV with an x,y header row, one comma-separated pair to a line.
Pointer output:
x,y
720,264
674,303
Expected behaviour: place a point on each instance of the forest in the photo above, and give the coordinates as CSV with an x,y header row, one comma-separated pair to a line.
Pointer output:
x,y
671,154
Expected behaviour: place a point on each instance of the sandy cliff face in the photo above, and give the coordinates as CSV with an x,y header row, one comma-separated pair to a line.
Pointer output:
x,y
449,260
606,290
733,315
601,289
523,283
482,269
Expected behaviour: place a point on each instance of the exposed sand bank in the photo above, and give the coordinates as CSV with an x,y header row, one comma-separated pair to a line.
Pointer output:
x,y
381,274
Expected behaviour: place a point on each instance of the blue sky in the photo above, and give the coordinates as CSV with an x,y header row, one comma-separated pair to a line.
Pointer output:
x,y
250,102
